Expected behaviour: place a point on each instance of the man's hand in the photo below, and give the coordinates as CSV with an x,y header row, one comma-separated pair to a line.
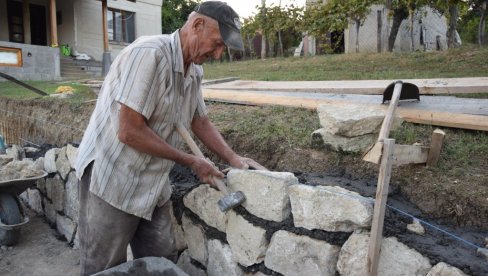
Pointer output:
x,y
205,170
245,163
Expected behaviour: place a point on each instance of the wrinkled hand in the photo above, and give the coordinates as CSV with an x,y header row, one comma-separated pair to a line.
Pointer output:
x,y
206,170
245,163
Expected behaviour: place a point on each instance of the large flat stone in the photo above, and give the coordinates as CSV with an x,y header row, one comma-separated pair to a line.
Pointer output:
x,y
62,164
291,254
50,160
329,208
145,266
266,192
71,153
203,202
184,262
321,138
55,192
196,240
66,227
443,269
351,120
221,261
395,258
248,242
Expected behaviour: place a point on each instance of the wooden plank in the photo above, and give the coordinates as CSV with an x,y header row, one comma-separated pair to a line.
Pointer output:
x,y
410,154
435,147
379,207
426,86
437,118
403,154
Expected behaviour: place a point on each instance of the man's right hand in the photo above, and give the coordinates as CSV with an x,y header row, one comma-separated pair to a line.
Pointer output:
x,y
205,170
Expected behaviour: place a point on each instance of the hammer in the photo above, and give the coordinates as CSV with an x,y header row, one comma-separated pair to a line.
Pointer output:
x,y
230,200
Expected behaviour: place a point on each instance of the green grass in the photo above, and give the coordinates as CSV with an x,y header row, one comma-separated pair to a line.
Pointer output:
x,y
468,61
14,91
278,126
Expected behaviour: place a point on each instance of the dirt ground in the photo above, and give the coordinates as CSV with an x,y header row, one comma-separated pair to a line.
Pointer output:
x,y
455,203
39,252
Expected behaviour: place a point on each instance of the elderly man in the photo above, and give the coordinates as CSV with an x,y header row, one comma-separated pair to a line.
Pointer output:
x,y
131,143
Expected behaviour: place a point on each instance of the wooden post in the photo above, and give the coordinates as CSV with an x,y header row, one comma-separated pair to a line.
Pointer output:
x,y
104,24
27,28
379,206
435,147
54,24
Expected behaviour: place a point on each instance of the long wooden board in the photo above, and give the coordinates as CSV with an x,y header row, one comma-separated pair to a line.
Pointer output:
x,y
437,118
426,86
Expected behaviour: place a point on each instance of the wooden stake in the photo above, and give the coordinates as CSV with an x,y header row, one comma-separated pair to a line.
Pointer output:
x,y
435,147
379,206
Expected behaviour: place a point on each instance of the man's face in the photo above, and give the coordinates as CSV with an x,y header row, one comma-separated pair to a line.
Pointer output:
x,y
208,43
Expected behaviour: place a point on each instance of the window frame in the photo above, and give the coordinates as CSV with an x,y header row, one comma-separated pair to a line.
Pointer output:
x,y
125,36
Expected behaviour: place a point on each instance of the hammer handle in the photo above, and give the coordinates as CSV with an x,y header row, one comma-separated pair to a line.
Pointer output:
x,y
196,150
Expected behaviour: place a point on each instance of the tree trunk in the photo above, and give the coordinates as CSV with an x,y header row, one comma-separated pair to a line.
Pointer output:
x,y
412,42
230,54
386,26
482,26
398,16
280,43
451,31
357,34
263,35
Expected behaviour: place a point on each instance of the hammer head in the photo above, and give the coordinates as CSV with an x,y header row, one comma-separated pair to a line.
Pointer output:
x,y
231,200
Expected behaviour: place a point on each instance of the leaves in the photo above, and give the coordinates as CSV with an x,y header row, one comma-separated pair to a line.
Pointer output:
x,y
175,12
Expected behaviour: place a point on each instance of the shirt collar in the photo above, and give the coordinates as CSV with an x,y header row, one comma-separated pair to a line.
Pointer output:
x,y
178,65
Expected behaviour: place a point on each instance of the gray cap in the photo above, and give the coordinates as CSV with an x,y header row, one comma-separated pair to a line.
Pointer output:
x,y
229,24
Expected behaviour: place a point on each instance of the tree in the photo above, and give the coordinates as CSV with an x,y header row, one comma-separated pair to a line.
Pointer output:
x,y
335,15
174,13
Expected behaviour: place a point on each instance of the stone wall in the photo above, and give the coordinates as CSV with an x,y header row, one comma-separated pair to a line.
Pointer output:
x,y
283,228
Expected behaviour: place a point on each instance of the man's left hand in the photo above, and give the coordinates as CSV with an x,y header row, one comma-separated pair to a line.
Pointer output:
x,y
245,163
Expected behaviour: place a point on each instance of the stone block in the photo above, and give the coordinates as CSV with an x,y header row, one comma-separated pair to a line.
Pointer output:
x,y
49,211
62,164
55,192
329,208
266,192
76,240
291,254
71,153
351,120
35,201
184,262
443,269
221,261
41,185
145,266
50,160
16,152
66,227
203,202
248,242
321,138
178,233
39,164
395,258
71,196
196,240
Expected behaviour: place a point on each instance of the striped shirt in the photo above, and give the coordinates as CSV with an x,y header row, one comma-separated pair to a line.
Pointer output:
x,y
147,76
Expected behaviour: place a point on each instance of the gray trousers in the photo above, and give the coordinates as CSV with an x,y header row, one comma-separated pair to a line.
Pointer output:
x,y
105,232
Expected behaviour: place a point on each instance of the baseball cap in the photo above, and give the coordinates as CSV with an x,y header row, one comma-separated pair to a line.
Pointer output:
x,y
229,24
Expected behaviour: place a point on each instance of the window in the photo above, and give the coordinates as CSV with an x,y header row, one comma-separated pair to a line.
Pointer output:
x,y
120,26
10,57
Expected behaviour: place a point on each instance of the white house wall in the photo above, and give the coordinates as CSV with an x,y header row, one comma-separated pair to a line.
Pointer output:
x,y
67,28
88,24
433,23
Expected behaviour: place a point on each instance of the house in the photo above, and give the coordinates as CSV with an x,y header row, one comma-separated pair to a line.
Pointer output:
x,y
32,32
429,32
425,31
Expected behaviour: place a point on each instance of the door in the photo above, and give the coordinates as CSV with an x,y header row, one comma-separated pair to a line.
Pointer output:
x,y
38,25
